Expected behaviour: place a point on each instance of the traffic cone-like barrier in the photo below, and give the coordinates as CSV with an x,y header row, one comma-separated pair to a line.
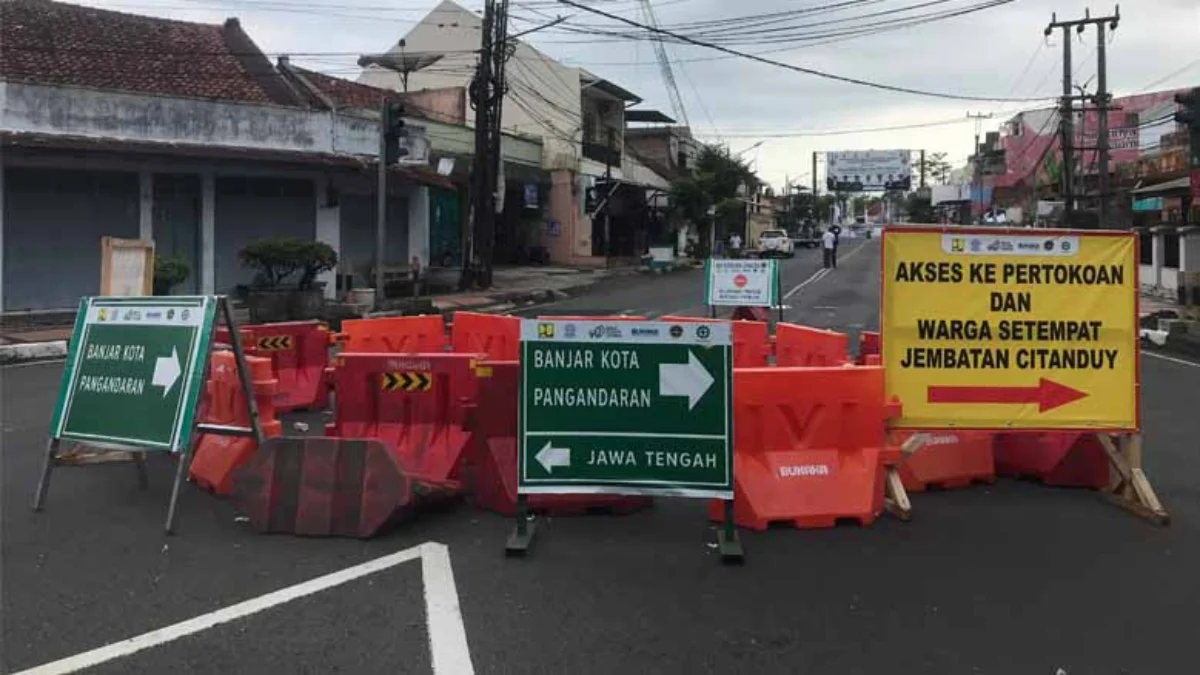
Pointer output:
x,y
497,337
809,347
217,456
751,346
946,459
394,335
299,355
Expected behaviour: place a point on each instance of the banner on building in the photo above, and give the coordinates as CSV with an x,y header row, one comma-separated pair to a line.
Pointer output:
x,y
869,170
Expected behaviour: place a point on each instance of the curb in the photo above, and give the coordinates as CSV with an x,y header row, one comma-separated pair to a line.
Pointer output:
x,y
32,351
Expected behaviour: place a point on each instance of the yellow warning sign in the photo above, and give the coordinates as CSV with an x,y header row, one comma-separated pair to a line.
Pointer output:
x,y
274,343
407,381
1011,329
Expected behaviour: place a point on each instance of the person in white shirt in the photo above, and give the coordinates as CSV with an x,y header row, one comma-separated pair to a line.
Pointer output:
x,y
829,244
735,245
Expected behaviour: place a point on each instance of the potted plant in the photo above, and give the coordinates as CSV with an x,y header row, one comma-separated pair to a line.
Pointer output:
x,y
169,272
275,261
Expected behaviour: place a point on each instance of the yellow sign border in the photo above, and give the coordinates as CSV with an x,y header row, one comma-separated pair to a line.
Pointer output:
x,y
1129,418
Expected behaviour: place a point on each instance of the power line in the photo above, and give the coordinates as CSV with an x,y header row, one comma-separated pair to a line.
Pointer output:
x,y
799,69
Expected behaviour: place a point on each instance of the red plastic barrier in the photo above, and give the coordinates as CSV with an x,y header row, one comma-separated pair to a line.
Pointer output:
x,y
216,457
615,317
497,336
317,486
948,459
490,471
299,353
808,446
870,343
414,403
394,335
809,347
1055,458
751,345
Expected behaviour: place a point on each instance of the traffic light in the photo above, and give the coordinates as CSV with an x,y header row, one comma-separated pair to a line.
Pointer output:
x,y
1189,116
393,131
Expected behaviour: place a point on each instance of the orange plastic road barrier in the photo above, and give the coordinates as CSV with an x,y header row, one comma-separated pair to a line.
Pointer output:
x,y
216,457
394,335
870,343
1055,458
808,446
414,403
317,486
299,353
948,459
497,336
751,345
490,470
809,347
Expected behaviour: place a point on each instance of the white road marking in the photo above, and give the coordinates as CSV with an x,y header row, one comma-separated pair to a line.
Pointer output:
x,y
1172,359
822,273
447,635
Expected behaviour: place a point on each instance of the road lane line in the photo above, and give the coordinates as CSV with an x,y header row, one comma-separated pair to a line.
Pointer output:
x,y
1172,359
447,636
822,273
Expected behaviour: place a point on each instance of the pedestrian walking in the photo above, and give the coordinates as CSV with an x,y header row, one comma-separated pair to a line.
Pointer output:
x,y
829,246
735,245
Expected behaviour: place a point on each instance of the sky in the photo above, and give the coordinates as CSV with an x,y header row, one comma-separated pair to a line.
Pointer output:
x,y
1000,52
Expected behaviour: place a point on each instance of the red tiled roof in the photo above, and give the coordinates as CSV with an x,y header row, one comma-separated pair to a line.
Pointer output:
x,y
346,93
56,43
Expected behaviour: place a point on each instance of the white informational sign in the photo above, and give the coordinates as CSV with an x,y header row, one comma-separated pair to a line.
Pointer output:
x,y
865,170
741,283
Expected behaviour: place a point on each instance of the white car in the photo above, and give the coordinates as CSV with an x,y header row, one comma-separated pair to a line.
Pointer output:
x,y
775,243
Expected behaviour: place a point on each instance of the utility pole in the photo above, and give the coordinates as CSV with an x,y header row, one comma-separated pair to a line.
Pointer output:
x,y
608,190
815,216
487,97
381,204
1067,108
977,175
922,185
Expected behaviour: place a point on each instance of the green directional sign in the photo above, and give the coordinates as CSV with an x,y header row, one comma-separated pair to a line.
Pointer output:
x,y
135,371
639,407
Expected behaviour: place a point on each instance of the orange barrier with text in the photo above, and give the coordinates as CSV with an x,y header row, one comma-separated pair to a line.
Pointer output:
x,y
414,403
497,336
946,459
394,335
809,347
299,354
751,345
216,456
809,446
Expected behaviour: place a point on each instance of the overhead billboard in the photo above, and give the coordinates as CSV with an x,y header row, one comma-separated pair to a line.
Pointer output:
x,y
869,170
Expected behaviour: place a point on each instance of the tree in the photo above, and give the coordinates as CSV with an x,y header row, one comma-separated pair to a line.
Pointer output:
x,y
713,185
937,169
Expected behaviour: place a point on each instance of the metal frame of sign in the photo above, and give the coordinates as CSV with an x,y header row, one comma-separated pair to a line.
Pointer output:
x,y
183,441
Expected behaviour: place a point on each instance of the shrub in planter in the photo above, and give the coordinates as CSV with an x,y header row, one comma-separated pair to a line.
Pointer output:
x,y
169,272
276,261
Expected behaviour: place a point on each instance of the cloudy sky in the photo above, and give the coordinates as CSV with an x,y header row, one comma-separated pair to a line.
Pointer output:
x,y
998,52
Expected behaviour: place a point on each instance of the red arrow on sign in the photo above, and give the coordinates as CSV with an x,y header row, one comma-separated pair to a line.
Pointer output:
x,y
1047,394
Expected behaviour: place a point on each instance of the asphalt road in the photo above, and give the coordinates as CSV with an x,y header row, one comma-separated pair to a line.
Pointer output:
x,y
1012,578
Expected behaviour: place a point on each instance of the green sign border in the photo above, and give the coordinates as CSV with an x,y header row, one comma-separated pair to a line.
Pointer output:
x,y
649,487
186,410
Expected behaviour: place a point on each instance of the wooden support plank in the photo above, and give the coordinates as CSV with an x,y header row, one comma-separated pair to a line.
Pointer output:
x,y
895,496
1132,491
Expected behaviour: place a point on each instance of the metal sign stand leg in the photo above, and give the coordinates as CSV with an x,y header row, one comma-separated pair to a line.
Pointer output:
x,y
255,430
522,536
39,499
728,542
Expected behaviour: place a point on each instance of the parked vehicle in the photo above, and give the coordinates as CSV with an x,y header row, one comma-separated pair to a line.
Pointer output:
x,y
807,236
775,243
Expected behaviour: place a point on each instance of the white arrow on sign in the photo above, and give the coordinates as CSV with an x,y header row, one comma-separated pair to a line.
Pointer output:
x,y
550,457
689,379
166,372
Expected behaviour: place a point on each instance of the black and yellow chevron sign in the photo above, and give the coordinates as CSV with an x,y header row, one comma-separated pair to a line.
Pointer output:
x,y
274,343
407,381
